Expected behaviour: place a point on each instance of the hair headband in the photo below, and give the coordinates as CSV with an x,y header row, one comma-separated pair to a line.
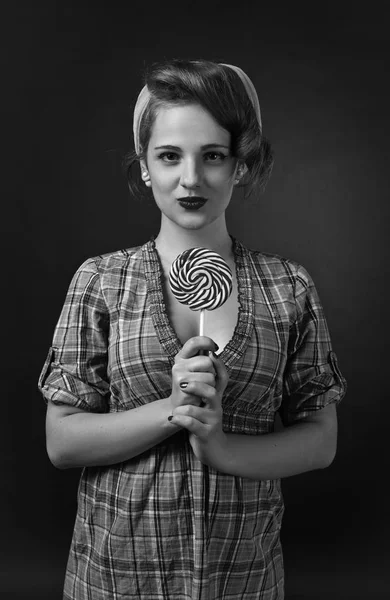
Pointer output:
x,y
144,96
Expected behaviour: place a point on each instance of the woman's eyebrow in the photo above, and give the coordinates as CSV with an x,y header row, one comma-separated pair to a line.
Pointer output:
x,y
205,147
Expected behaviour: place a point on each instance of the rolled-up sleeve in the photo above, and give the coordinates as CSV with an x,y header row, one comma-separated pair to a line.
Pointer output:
x,y
312,377
75,370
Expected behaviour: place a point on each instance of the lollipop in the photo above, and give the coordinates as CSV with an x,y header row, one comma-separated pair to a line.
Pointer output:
x,y
201,279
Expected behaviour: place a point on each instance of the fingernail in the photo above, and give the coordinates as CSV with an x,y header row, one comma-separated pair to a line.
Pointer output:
x,y
170,418
183,384
216,346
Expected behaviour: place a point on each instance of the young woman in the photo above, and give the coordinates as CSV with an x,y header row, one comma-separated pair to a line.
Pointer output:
x,y
180,492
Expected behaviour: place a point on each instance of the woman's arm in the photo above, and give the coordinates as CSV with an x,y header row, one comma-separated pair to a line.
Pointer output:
x,y
305,446
76,438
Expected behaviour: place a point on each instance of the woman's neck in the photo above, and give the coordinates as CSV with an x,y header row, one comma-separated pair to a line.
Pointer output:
x,y
172,240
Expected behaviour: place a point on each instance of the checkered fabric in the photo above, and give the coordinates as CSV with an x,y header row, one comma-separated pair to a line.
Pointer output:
x,y
162,525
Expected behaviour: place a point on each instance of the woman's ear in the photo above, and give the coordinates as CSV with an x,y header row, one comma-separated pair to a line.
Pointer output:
x,y
145,174
241,169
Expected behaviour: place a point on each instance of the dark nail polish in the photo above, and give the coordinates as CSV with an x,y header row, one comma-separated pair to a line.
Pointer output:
x,y
183,384
170,418
216,346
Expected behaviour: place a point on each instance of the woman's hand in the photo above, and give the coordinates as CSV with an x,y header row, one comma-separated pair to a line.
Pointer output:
x,y
192,369
204,423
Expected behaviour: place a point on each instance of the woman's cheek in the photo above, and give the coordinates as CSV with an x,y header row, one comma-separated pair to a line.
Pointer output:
x,y
166,181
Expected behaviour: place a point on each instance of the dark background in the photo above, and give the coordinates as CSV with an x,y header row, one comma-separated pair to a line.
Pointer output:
x,y
71,73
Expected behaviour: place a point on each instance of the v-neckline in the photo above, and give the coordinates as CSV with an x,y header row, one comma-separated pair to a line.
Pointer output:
x,y
166,334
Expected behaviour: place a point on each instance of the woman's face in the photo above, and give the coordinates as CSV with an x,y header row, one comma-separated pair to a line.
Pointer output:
x,y
189,157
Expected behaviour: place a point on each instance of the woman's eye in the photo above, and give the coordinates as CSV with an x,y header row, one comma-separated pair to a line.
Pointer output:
x,y
214,156
168,156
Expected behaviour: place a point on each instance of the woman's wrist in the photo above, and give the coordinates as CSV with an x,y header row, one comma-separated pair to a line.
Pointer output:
x,y
166,414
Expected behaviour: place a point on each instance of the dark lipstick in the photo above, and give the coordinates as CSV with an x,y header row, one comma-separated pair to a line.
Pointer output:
x,y
192,202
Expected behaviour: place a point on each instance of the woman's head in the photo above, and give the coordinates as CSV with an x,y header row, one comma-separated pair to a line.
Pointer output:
x,y
189,166
218,90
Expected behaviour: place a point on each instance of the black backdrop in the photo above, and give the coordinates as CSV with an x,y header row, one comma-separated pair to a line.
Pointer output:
x,y
71,72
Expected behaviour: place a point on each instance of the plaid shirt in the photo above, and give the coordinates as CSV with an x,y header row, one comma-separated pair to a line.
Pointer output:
x,y
162,525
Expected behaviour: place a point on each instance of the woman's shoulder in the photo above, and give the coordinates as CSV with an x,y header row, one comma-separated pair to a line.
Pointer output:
x,y
111,261
276,265
109,274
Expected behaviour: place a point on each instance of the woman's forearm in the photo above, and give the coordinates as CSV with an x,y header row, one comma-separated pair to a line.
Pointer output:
x,y
84,439
299,448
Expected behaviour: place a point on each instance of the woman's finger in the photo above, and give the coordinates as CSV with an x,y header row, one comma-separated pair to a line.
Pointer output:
x,y
189,423
187,398
199,363
182,375
189,410
207,378
222,376
195,345
208,393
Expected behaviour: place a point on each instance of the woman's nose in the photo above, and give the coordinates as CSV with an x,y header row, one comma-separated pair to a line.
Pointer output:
x,y
191,176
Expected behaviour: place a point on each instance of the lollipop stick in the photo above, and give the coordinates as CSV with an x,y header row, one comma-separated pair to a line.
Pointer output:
x,y
201,321
201,332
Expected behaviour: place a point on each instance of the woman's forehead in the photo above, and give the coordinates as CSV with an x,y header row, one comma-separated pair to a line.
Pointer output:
x,y
185,123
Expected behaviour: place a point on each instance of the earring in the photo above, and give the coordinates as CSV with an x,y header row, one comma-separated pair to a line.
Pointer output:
x,y
146,178
241,170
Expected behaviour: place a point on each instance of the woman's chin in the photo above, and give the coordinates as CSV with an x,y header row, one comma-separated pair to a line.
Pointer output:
x,y
195,224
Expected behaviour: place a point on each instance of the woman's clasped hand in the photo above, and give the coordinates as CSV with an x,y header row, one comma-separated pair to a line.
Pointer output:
x,y
199,379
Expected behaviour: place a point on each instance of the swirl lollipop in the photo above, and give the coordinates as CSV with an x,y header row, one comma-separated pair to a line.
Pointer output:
x,y
201,279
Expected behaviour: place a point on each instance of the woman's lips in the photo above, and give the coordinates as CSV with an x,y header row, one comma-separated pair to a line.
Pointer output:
x,y
192,202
